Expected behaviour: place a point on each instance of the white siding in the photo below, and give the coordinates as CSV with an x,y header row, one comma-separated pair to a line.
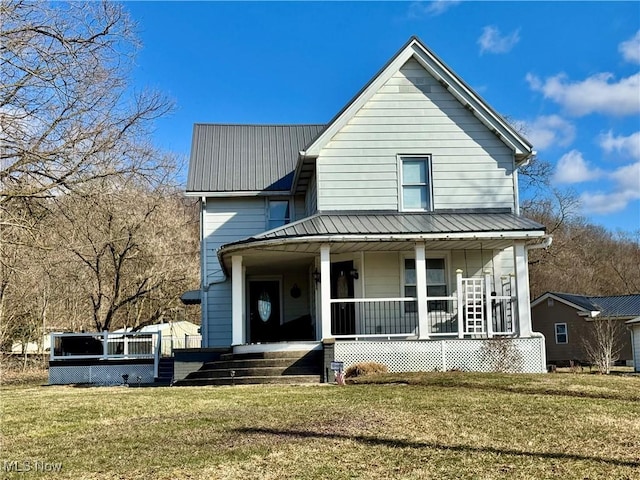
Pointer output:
x,y
382,275
413,114
225,220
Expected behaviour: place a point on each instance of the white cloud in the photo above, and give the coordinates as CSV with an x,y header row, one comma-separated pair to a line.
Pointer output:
x,y
630,49
625,146
626,189
572,168
597,94
431,9
492,41
549,130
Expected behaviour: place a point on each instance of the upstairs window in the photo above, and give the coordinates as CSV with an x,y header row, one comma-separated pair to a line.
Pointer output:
x,y
278,213
415,183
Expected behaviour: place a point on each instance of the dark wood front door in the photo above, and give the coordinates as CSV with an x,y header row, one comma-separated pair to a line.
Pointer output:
x,y
343,316
264,310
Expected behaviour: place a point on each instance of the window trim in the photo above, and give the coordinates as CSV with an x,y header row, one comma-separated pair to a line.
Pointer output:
x,y
566,333
268,211
427,158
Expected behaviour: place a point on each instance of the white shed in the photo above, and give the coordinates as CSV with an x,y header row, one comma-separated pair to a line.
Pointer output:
x,y
634,326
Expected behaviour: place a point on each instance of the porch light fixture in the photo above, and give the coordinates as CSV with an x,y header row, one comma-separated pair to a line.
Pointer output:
x,y
316,275
354,273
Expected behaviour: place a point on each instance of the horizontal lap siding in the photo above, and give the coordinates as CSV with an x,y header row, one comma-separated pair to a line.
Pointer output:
x,y
226,220
413,114
382,275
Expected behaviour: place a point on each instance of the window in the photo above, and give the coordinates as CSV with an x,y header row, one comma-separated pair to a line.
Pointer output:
x,y
278,211
415,191
561,333
436,283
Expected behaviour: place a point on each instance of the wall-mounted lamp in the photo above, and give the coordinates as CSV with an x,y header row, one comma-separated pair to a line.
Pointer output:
x,y
354,273
316,275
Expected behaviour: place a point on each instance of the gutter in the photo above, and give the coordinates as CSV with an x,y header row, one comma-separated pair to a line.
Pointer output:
x,y
546,243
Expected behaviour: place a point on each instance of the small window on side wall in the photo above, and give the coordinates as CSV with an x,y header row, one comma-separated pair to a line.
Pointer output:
x,y
561,333
279,213
415,192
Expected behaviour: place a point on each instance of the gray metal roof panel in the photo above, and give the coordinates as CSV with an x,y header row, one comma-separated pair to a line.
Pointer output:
x,y
362,223
614,306
618,305
236,158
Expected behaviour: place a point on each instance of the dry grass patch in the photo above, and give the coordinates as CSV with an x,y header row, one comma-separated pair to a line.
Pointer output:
x,y
431,426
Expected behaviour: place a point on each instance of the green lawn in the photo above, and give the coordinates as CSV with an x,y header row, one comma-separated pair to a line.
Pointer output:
x,y
436,425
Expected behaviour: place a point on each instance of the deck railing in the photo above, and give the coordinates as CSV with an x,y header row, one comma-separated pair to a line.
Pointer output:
x,y
106,346
469,312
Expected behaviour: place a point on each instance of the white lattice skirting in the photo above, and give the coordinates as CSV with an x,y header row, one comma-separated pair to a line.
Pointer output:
x,y
522,355
100,374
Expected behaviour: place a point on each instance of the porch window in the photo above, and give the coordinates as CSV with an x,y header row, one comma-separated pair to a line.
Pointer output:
x,y
561,333
278,213
436,283
415,191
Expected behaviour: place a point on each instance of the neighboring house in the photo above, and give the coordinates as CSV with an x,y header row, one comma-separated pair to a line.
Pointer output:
x,y
566,321
32,347
634,326
390,234
179,334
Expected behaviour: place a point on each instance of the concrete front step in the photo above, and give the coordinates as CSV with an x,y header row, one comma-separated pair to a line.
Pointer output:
x,y
272,355
268,371
259,367
261,362
277,379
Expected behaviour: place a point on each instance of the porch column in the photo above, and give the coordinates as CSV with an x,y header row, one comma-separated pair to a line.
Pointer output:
x,y
325,290
237,301
522,288
461,307
421,291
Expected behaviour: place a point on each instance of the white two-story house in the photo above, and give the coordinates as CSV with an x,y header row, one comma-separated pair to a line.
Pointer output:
x,y
390,234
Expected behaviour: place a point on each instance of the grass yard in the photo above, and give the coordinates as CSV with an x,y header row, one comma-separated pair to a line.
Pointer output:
x,y
435,426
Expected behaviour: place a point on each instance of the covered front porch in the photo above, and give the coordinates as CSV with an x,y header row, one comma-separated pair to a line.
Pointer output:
x,y
368,290
394,286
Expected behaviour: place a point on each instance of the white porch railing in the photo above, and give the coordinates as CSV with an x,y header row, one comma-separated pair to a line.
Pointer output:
x,y
482,315
106,346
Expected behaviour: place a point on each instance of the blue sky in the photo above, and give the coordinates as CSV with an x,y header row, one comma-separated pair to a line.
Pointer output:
x,y
568,72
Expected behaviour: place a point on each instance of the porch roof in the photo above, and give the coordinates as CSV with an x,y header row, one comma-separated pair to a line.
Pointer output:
x,y
385,223
349,231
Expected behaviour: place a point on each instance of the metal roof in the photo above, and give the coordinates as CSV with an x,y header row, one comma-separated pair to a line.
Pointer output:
x,y
364,223
246,158
610,306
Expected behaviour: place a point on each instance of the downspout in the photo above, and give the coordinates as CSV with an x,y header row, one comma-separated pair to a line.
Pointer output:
x,y
204,314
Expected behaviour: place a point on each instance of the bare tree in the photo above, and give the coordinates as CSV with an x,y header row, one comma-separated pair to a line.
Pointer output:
x,y
134,250
66,112
602,344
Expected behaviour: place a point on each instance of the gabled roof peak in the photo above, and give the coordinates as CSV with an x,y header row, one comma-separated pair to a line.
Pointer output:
x,y
415,48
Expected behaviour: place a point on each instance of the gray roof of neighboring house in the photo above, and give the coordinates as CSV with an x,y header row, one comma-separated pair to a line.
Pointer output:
x,y
381,223
246,158
614,306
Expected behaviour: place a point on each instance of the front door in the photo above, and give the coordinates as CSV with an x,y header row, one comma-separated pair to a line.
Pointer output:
x,y
343,316
264,310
